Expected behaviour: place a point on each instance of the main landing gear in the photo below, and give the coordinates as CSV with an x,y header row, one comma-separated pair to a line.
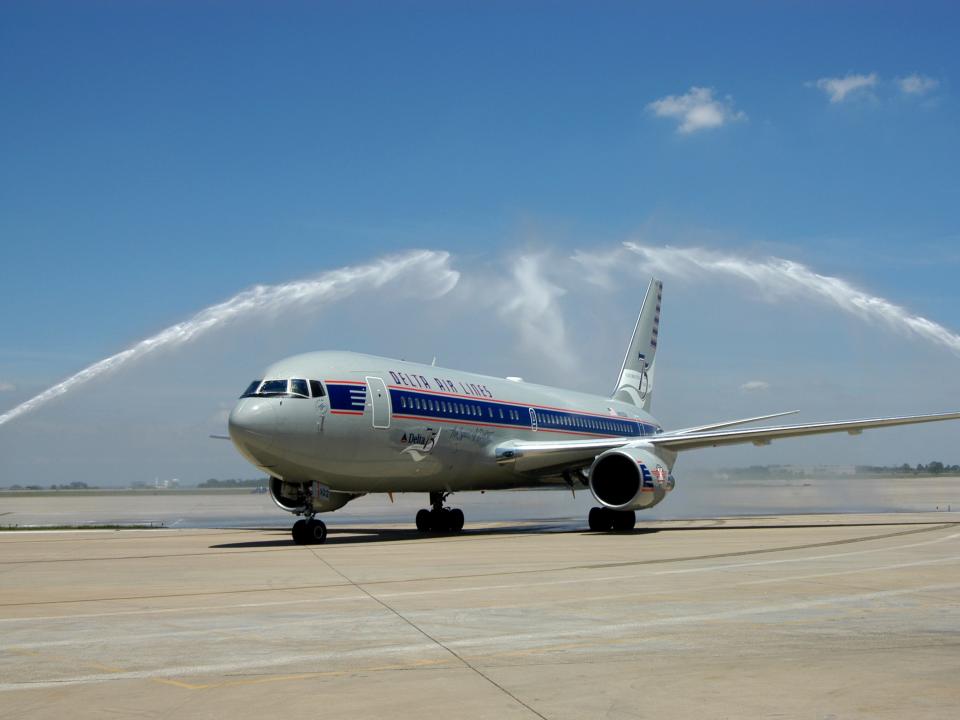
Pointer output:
x,y
439,518
603,519
309,531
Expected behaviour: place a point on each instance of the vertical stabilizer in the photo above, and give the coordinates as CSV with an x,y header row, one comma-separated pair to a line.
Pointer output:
x,y
635,384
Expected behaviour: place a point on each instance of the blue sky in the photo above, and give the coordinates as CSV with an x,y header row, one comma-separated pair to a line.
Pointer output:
x,y
160,157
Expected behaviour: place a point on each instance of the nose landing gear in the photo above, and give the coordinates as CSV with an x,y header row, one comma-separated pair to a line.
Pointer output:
x,y
439,518
309,531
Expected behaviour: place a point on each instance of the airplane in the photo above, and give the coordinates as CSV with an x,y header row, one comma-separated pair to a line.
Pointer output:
x,y
329,427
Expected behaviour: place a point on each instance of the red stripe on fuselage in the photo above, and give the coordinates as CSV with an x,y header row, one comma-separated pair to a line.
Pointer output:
x,y
480,423
606,416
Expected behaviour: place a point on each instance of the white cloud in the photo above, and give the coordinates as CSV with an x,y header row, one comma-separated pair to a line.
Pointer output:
x,y
848,86
696,110
917,84
755,386
7,387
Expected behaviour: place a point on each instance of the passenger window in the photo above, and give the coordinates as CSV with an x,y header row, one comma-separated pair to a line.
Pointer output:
x,y
299,387
316,389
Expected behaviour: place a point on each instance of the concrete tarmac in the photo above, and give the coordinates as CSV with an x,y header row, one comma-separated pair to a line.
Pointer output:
x,y
814,616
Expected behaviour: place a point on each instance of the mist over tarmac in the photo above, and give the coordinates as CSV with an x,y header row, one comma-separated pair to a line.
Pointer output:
x,y
742,335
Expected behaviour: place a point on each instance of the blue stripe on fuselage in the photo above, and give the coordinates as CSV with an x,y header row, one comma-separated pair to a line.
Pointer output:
x,y
490,412
346,396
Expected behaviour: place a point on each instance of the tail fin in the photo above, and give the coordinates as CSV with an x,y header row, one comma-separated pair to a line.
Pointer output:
x,y
636,376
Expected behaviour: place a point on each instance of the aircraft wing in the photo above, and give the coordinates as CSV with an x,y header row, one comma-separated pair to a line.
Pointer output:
x,y
731,423
762,436
555,456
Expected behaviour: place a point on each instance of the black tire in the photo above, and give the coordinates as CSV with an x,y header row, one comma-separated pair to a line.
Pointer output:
x,y
437,522
599,519
624,520
423,520
299,532
456,520
317,532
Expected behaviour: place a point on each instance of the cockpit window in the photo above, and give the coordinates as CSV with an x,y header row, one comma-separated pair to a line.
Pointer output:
x,y
273,387
251,389
299,387
316,389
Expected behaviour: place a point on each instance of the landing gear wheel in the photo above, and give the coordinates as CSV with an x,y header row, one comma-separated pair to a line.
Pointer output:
x,y
309,532
603,519
423,520
624,520
317,531
439,518
299,532
599,519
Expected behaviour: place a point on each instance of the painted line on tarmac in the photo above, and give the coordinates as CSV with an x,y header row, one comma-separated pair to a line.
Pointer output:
x,y
873,568
623,629
490,643
194,608
434,591
806,558
222,668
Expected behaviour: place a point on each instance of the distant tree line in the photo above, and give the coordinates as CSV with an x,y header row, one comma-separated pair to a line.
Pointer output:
x,y
70,486
232,483
932,468
793,472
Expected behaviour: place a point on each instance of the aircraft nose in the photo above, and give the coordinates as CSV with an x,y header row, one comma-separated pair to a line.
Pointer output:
x,y
253,424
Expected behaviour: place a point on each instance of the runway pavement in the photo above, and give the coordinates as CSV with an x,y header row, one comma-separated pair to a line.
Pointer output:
x,y
815,616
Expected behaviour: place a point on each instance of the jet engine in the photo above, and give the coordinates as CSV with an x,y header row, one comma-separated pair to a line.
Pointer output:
x,y
629,478
295,497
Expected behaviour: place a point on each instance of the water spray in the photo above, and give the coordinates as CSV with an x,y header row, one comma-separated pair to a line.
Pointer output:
x,y
432,270
777,277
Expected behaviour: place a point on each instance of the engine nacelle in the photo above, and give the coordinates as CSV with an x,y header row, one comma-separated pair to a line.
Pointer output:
x,y
295,497
629,478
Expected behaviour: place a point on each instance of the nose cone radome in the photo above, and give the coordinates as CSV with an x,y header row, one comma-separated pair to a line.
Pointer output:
x,y
253,425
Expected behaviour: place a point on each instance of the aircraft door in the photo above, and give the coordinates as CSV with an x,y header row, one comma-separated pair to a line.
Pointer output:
x,y
533,419
380,401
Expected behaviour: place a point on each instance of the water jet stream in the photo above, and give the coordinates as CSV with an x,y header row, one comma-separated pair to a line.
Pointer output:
x,y
434,274
777,277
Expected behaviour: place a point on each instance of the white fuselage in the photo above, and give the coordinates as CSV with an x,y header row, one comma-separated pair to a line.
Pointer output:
x,y
383,425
